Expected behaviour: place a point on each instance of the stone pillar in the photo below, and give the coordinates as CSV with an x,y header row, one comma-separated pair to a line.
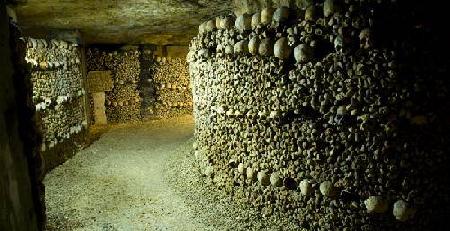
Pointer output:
x,y
98,82
99,108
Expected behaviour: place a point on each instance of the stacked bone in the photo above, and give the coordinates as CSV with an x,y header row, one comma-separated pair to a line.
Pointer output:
x,y
303,116
62,122
147,86
123,103
57,88
174,97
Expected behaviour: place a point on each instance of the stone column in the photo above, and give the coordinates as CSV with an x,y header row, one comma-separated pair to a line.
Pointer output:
x,y
98,82
99,108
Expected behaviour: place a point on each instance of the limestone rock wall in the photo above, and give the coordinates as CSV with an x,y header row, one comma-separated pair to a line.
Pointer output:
x,y
21,189
330,114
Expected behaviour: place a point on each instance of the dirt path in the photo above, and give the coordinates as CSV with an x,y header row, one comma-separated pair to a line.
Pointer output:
x,y
118,184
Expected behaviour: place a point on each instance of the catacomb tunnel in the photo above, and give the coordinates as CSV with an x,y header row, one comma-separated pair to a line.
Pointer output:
x,y
222,115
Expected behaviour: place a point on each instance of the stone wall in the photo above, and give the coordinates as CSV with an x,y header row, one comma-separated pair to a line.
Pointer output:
x,y
59,97
177,51
330,115
20,207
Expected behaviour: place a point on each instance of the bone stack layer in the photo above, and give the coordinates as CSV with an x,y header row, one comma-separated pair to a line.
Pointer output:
x,y
145,86
58,92
174,96
309,114
123,103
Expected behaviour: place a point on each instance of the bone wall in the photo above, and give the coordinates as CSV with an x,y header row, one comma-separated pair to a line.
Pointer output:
x,y
168,91
174,97
58,96
157,87
123,102
319,115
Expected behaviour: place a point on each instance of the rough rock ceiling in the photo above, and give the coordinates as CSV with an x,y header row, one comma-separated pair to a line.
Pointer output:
x,y
122,21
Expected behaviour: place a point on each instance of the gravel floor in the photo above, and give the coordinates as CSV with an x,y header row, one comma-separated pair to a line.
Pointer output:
x,y
142,177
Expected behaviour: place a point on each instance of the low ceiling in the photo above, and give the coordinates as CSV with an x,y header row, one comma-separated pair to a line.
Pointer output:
x,y
121,21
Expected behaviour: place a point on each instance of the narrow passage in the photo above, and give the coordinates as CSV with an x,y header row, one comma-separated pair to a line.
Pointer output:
x,y
118,184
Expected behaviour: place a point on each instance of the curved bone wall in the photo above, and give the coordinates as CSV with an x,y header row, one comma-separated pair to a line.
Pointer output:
x,y
317,115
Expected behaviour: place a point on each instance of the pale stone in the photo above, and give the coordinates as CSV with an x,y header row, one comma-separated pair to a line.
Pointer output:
x,y
209,171
253,45
281,15
227,22
210,25
329,7
251,174
243,22
275,180
305,187
401,211
241,168
310,14
327,188
365,40
375,204
282,49
99,108
303,53
263,179
201,28
229,49
266,16
241,47
256,19
219,22
266,47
